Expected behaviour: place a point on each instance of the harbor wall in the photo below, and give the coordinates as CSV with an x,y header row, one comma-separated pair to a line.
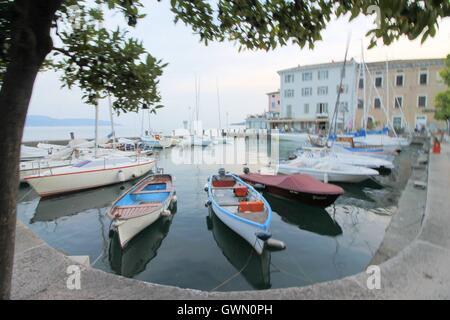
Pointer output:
x,y
418,269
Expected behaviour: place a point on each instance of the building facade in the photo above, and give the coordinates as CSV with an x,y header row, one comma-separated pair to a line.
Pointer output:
x,y
308,96
399,92
258,121
274,107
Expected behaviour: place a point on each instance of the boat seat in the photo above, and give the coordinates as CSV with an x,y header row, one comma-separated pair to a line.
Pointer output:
x,y
228,204
153,191
223,183
134,211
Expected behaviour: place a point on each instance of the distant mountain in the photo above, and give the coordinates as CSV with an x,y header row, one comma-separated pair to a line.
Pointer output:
x,y
43,121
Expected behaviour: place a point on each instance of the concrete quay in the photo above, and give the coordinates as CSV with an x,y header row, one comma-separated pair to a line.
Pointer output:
x,y
414,259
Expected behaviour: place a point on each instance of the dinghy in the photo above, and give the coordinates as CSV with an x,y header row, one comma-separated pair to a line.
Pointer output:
x,y
241,208
88,174
300,187
327,171
142,205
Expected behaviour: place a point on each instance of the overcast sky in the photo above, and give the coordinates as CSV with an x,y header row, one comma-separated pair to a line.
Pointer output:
x,y
243,77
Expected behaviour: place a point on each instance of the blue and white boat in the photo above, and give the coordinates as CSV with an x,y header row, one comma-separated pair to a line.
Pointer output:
x,y
243,209
156,141
142,205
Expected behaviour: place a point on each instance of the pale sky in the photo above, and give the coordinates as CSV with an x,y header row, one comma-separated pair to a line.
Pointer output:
x,y
244,77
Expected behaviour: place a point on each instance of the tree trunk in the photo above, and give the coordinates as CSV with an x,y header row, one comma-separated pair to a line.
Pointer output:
x,y
30,44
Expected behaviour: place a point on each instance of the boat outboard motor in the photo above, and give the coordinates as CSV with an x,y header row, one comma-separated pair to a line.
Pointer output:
x,y
221,172
246,170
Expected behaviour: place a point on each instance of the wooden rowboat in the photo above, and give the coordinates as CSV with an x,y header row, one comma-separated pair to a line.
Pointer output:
x,y
142,205
241,208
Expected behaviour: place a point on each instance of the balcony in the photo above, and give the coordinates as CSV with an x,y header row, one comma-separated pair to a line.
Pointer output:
x,y
322,115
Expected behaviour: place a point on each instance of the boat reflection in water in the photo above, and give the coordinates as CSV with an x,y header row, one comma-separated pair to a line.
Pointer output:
x,y
255,268
140,250
313,219
71,204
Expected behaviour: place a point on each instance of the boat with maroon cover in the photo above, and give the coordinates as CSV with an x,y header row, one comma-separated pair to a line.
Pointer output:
x,y
300,187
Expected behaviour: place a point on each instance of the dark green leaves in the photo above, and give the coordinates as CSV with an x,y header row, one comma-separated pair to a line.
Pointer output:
x,y
103,62
443,99
267,24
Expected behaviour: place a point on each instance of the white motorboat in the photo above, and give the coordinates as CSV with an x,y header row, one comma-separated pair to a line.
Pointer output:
x,y
156,141
327,170
345,158
369,152
87,174
195,140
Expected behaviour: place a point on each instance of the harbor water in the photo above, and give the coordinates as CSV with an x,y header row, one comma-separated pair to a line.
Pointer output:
x,y
194,249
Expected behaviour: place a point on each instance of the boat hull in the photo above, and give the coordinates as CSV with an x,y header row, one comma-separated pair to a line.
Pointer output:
x,y
318,200
31,168
128,229
50,185
325,177
142,205
246,231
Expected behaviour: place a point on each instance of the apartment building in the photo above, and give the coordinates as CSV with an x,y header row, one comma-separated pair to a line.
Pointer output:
x,y
308,96
401,92
274,107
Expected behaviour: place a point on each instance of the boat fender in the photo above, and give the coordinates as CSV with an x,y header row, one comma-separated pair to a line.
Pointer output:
x,y
121,176
166,213
208,203
206,187
174,199
259,186
275,245
325,177
264,236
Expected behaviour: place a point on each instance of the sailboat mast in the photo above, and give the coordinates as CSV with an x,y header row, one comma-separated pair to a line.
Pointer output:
x,y
218,105
363,63
96,130
387,94
112,122
336,111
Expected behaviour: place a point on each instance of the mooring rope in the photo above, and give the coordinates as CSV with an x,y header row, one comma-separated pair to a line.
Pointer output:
x,y
294,275
237,273
98,258
26,194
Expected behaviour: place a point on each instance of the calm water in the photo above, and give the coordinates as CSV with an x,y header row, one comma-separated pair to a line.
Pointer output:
x,y
194,249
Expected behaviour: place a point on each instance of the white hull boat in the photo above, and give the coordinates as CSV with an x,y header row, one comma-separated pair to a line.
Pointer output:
x,y
29,168
200,141
327,171
248,213
141,206
296,137
31,153
345,158
89,174
157,141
